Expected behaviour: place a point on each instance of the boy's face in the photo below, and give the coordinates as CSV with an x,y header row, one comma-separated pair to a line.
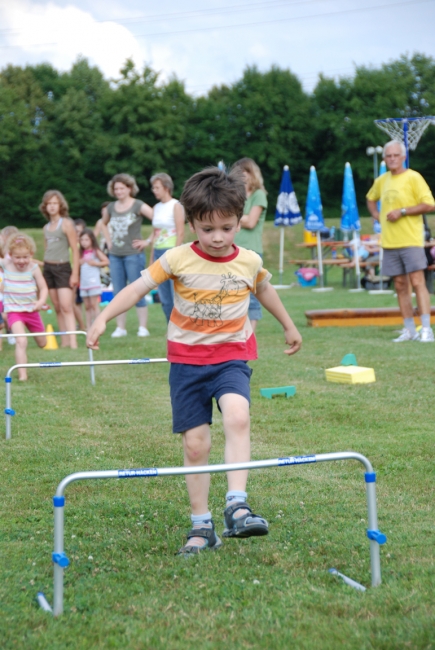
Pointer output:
x,y
216,234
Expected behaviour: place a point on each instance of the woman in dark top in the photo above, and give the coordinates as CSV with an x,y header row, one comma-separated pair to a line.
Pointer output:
x,y
124,218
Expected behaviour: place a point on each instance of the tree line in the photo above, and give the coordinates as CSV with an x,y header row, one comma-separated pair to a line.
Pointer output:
x,y
73,130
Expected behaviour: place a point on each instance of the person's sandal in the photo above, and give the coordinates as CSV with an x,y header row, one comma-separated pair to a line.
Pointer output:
x,y
248,525
211,541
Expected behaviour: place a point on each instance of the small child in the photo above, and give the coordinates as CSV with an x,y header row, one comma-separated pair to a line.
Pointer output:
x,y
4,234
25,292
210,341
91,260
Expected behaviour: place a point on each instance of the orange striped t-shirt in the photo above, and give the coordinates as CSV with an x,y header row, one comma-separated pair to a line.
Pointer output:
x,y
209,322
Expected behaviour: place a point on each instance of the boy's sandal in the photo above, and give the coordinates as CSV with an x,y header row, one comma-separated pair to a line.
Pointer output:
x,y
247,525
211,541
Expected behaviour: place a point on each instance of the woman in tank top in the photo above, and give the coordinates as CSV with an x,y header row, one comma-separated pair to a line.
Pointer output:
x,y
251,224
124,219
168,231
59,239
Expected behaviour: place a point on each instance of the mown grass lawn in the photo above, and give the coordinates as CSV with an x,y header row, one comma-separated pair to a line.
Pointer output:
x,y
126,588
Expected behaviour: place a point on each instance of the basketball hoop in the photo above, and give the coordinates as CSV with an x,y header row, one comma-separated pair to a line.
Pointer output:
x,y
406,129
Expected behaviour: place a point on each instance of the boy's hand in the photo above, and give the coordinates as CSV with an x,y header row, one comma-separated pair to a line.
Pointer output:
x,y
97,329
293,339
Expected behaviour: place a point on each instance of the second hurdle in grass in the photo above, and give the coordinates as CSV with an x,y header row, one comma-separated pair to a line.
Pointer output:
x,y
9,411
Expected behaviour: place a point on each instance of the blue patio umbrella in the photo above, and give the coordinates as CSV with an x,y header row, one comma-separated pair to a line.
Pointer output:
x,y
287,213
314,221
313,209
377,230
349,209
376,224
350,217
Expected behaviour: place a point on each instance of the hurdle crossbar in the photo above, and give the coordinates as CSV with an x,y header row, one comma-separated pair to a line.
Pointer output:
x,y
9,412
27,334
61,561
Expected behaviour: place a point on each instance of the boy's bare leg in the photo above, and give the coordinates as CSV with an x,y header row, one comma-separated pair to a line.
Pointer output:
x,y
197,445
236,422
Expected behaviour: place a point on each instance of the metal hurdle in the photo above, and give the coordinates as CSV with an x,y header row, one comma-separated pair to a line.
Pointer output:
x,y
9,411
91,355
61,561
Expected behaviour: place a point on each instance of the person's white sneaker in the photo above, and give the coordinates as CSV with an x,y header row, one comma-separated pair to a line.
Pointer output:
x,y
142,332
12,340
407,336
118,333
426,335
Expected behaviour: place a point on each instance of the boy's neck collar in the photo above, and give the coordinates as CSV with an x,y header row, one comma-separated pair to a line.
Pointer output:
x,y
210,258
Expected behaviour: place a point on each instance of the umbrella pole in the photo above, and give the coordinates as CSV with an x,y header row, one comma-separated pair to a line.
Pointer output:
x,y
281,263
319,257
357,266
281,254
320,260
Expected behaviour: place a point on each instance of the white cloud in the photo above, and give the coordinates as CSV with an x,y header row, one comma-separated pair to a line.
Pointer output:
x,y
59,35
213,45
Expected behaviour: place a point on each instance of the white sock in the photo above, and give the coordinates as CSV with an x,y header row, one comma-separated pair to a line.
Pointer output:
x,y
236,496
410,325
201,521
425,320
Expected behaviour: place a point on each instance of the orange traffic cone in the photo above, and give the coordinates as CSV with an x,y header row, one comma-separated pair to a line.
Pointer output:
x,y
51,340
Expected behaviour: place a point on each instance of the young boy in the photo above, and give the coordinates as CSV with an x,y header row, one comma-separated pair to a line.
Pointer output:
x,y
210,341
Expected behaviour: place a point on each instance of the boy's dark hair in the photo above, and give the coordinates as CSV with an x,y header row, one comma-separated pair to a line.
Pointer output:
x,y
80,222
213,190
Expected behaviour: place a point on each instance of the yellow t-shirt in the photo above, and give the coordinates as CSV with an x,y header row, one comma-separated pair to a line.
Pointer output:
x,y
401,191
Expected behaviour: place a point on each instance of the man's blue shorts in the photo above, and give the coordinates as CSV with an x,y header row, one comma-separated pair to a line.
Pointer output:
x,y
193,389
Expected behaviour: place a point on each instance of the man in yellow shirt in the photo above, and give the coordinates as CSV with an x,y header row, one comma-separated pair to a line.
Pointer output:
x,y
405,197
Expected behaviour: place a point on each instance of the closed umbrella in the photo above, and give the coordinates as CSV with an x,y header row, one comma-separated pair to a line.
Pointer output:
x,y
350,219
314,221
287,213
377,230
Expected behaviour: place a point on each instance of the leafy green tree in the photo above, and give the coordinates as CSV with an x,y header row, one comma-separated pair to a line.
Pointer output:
x,y
22,141
345,112
146,125
264,116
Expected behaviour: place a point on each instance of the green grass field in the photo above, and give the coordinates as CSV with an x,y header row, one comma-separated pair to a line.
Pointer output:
x,y
126,588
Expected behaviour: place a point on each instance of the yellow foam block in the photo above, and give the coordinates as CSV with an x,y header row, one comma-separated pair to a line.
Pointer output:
x,y
350,375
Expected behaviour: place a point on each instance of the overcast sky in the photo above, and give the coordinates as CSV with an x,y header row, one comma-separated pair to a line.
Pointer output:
x,y
211,42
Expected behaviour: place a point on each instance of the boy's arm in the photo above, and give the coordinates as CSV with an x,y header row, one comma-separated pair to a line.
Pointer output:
x,y
122,302
270,300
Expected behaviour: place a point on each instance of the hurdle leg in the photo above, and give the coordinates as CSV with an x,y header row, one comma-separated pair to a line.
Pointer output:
x,y
375,536
9,412
92,368
60,560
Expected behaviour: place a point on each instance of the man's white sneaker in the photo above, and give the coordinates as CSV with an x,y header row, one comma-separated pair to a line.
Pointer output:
x,y
407,336
142,332
426,335
118,333
11,340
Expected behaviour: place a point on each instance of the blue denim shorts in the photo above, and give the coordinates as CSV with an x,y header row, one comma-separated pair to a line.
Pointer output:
x,y
193,388
125,270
